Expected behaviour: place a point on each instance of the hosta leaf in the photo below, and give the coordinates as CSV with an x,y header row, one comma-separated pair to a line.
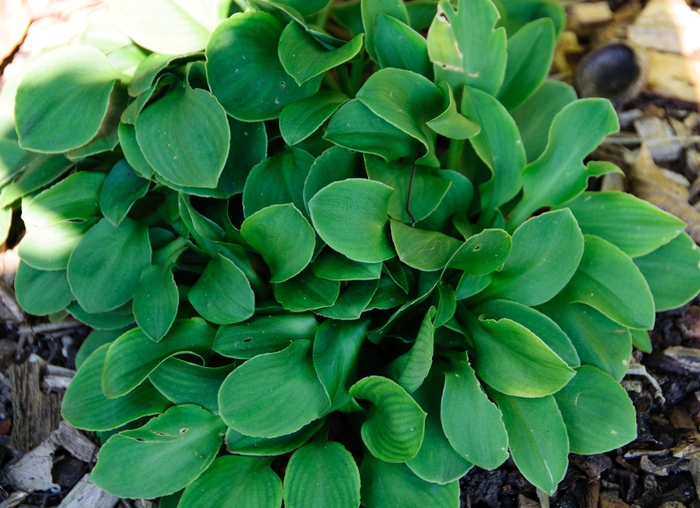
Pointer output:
x,y
151,68
546,252
259,446
94,341
40,292
168,26
437,461
183,382
322,473
421,13
672,272
336,163
458,198
244,70
389,295
465,48
352,300
156,301
536,322
112,320
303,57
121,189
518,13
223,294
86,407
40,171
371,9
393,431
423,250
256,485
498,145
105,267
399,46
333,266
350,217
537,438
12,159
527,367
416,193
74,198
598,340
609,281
132,357
598,414
185,137
407,101
451,123
283,237
482,253
63,98
255,394
306,292
526,68
50,247
264,334
415,364
301,119
472,423
641,340
559,175
132,151
335,352
386,485
161,457
470,285
305,7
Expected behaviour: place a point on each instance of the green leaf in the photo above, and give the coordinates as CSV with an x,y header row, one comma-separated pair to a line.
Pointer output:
x,y
188,383
94,340
256,485
244,70
185,137
121,189
534,116
371,10
105,267
50,247
301,119
482,253
517,13
598,340
132,151
254,395
5,223
74,198
498,145
307,292
407,101
277,180
151,68
335,352
386,485
437,461
672,272
132,357
399,46
457,200
40,171
283,237
40,292
393,431
160,458
112,320
12,159
156,301
559,175
451,123
63,98
417,193
538,323
609,281
86,407
513,360
641,340
421,13
388,295
464,47
538,268
350,216
537,437
352,301
333,266
652,226
355,127
470,285
472,423
530,53
598,414
258,446
264,334
415,364
322,473
335,164
305,7
303,57
167,26
427,251
222,294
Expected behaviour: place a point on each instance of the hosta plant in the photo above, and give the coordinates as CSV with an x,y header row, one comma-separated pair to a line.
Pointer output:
x,y
334,253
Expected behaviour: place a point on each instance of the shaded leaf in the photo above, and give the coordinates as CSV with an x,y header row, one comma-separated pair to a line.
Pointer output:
x,y
399,46
121,189
42,292
156,301
301,119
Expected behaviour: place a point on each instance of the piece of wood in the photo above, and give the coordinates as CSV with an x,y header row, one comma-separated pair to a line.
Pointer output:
x,y
33,471
36,414
674,76
686,357
658,137
590,13
15,499
667,25
74,442
87,494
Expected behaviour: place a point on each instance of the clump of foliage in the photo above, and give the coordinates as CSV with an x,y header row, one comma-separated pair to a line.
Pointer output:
x,y
331,234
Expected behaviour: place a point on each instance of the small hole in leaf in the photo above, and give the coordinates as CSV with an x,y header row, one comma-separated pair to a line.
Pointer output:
x,y
477,248
182,431
248,339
